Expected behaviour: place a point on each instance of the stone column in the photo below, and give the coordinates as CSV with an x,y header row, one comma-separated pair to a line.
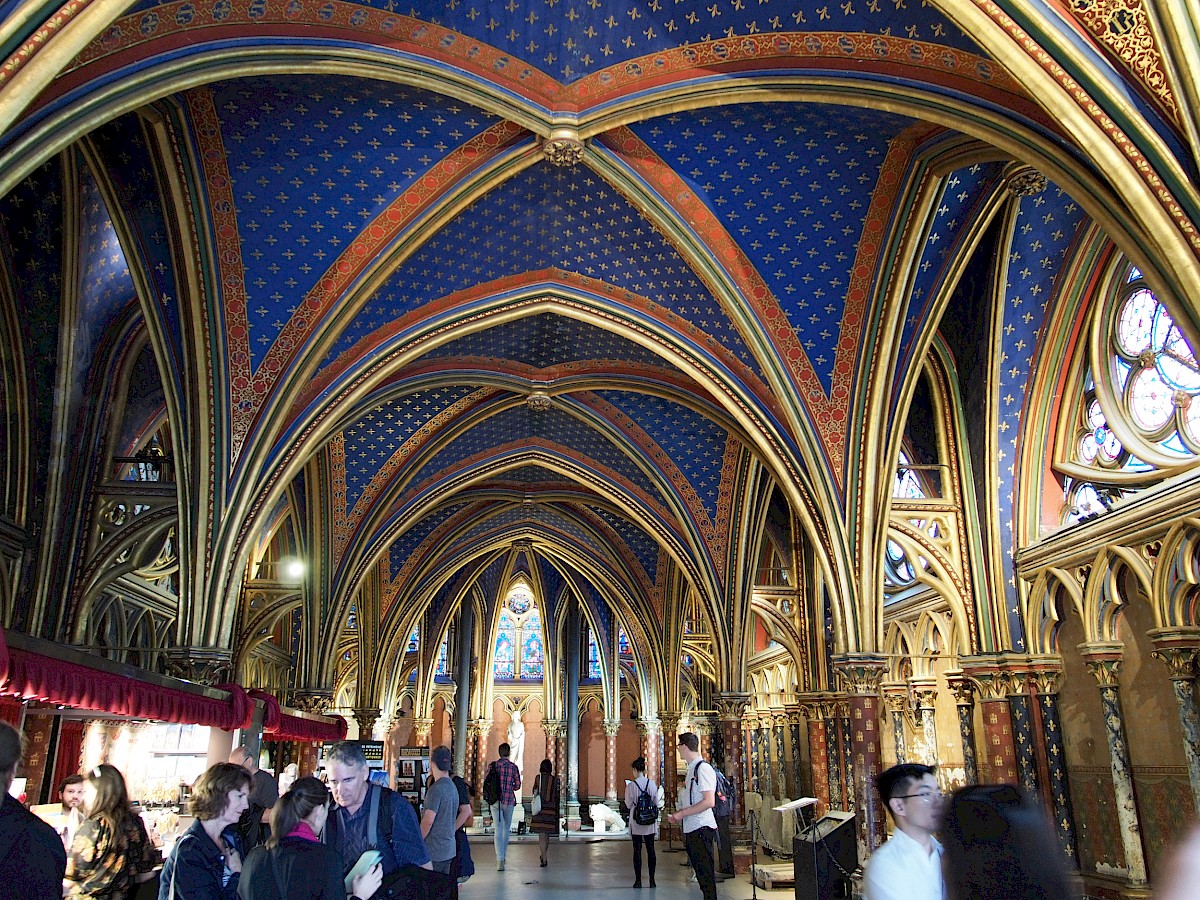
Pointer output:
x,y
611,727
669,735
778,774
731,707
895,698
1024,739
964,700
652,741
1178,649
571,713
924,691
799,784
366,716
555,730
762,754
481,728
861,674
1104,662
833,753
1045,680
1000,756
462,691
818,751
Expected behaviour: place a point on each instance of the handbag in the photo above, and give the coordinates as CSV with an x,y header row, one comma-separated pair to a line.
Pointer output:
x,y
536,806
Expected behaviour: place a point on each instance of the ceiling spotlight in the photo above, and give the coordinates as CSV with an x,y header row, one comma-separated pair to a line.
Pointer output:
x,y
294,569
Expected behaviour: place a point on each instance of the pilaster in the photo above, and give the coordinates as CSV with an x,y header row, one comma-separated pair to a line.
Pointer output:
x,y
1178,649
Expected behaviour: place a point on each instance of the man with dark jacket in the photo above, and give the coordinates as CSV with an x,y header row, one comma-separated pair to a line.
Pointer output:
x,y
32,857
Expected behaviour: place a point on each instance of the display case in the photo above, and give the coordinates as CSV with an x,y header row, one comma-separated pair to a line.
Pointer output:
x,y
412,773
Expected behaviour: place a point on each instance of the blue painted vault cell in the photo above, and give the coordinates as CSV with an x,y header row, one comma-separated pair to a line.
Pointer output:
x,y
312,161
550,217
792,184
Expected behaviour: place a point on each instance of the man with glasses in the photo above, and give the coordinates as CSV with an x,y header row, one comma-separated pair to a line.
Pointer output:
x,y
909,865
699,824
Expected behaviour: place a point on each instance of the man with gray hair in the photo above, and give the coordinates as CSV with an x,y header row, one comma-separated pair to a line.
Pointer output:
x,y
369,816
32,857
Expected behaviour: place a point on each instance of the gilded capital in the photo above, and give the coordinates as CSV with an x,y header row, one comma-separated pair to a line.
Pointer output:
x,y
961,687
731,705
611,727
1103,661
861,673
1178,649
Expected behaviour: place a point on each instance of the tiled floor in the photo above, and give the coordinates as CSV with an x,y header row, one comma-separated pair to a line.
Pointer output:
x,y
588,866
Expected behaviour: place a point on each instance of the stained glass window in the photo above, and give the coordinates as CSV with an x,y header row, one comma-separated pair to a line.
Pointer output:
x,y
414,640
520,627
533,661
505,655
593,656
907,485
623,643
443,662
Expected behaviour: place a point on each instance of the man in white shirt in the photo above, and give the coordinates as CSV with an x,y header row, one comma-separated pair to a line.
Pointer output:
x,y
909,865
699,824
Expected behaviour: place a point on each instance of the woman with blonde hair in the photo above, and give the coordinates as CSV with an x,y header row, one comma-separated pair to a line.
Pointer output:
x,y
206,862
293,863
111,851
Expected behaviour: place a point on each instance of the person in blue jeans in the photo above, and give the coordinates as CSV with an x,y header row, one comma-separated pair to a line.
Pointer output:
x,y
502,810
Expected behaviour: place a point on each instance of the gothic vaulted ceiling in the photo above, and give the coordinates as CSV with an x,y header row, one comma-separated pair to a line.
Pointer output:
x,y
444,279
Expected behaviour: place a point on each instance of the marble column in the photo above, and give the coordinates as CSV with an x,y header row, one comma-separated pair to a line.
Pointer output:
x,y
762,739
800,787
1104,662
964,701
924,692
731,707
845,714
611,727
1024,737
1056,789
861,674
818,752
1178,649
895,698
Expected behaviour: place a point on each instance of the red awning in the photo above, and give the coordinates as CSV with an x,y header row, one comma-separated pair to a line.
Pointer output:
x,y
36,676
281,725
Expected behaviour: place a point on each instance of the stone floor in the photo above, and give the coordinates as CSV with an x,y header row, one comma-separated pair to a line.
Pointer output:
x,y
590,865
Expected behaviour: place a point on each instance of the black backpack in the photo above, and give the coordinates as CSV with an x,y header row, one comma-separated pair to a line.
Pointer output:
x,y
645,810
723,796
491,786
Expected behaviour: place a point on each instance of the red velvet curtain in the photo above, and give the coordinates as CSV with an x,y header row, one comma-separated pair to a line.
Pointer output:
x,y
68,755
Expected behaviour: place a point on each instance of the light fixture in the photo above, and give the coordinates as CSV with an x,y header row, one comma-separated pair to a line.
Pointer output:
x,y
294,569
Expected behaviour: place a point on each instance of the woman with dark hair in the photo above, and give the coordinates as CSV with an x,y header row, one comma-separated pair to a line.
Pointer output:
x,y
643,834
206,862
997,845
293,864
545,822
111,851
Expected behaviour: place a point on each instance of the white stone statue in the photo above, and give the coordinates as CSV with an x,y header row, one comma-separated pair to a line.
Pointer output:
x,y
605,820
516,746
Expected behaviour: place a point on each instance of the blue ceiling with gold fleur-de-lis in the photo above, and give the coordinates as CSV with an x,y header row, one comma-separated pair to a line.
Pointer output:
x,y
312,160
105,285
547,217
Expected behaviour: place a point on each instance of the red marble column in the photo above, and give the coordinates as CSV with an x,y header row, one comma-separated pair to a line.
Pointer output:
x,y
1000,753
670,774
481,729
651,731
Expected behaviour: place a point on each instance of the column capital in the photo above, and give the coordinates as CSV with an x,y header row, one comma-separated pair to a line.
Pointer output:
x,y
611,727
962,688
648,726
555,728
1045,673
1103,659
669,721
924,691
895,695
421,729
311,701
995,675
1178,648
365,716
860,673
731,705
